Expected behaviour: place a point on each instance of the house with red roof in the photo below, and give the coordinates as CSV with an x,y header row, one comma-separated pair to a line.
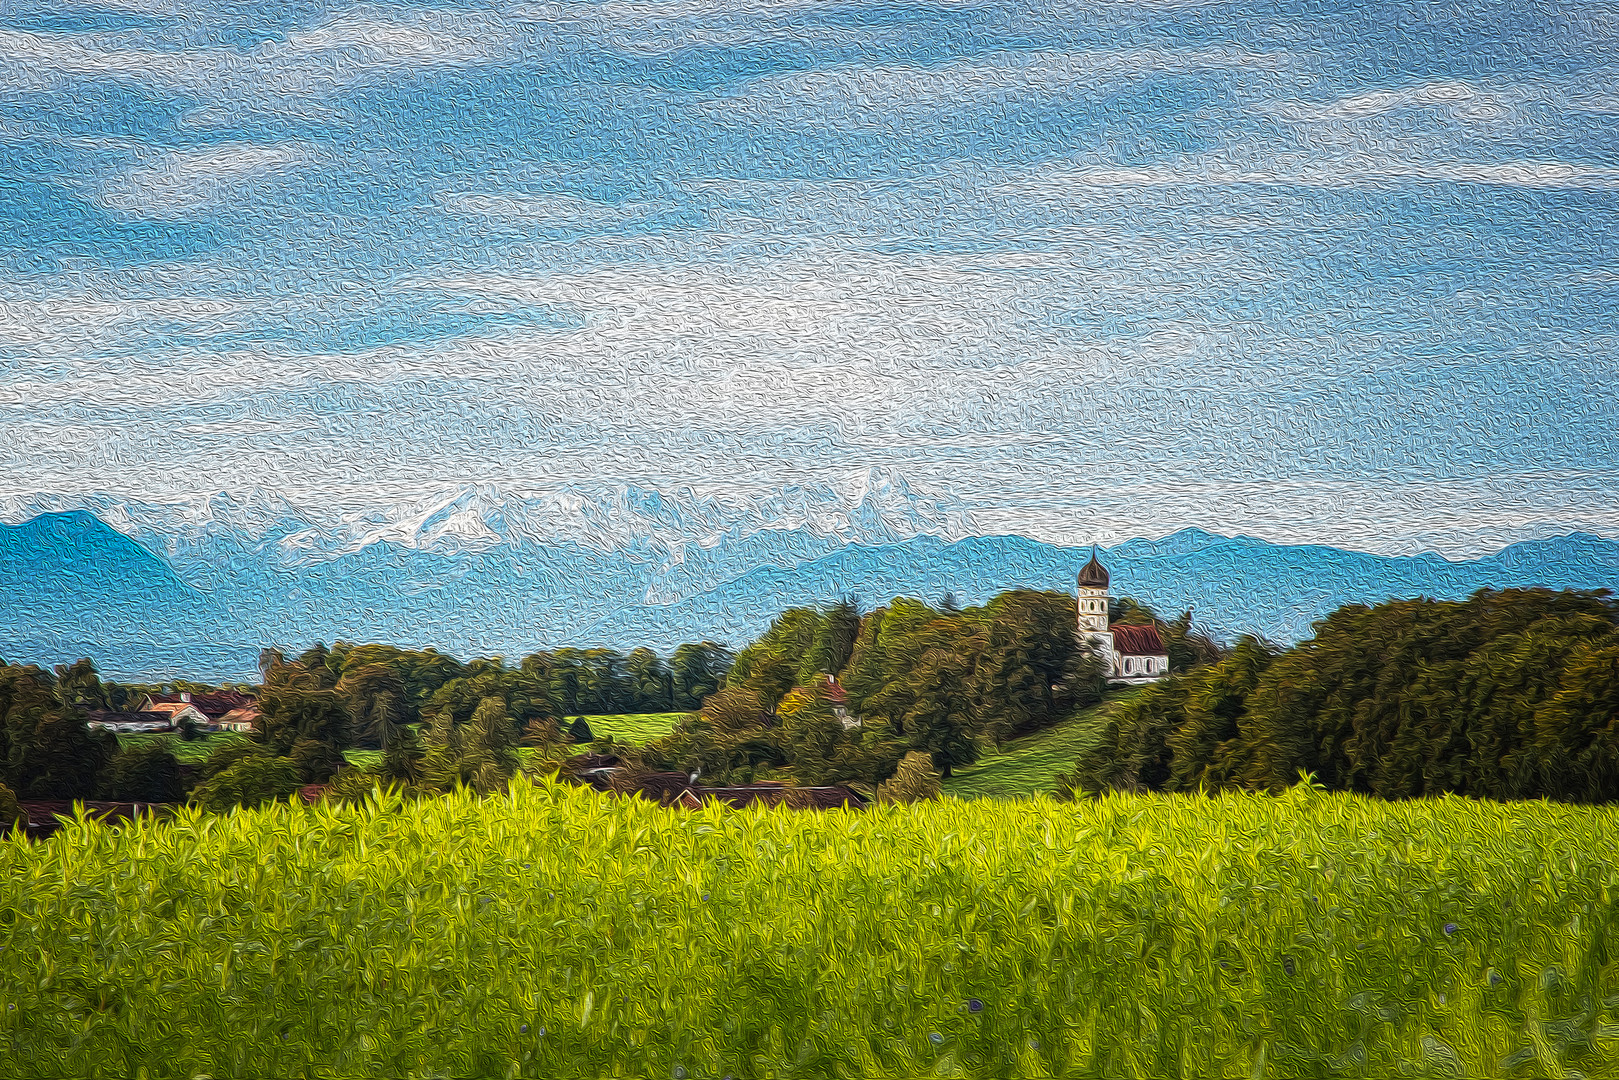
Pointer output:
x,y
218,710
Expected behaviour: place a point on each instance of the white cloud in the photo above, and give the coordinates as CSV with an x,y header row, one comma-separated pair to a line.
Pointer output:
x,y
871,92
182,183
313,62
86,321
559,211
1458,98
1305,171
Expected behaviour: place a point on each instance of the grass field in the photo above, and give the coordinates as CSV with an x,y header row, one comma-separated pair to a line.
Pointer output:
x,y
1030,765
557,932
631,727
192,752
635,727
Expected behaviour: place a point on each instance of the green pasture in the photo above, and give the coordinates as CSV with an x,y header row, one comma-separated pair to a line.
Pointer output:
x,y
192,752
555,931
629,727
1030,765
634,727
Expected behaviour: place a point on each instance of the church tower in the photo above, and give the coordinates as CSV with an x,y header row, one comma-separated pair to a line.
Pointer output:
x,y
1093,624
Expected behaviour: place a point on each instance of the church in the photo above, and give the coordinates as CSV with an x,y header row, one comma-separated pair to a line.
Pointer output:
x,y
1133,654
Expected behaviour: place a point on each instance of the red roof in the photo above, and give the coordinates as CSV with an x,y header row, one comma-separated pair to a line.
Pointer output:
x,y
212,705
169,709
1138,641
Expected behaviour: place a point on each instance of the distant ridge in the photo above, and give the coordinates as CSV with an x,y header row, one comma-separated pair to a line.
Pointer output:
x,y
70,586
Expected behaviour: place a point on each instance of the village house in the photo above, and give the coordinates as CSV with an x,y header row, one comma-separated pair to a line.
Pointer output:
x,y
178,713
129,723
840,703
240,720
219,710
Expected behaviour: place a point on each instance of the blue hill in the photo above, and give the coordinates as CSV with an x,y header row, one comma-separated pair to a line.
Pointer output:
x,y
71,586
1233,586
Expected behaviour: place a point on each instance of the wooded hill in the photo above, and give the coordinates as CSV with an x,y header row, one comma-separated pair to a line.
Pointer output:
x,y
829,695
1506,695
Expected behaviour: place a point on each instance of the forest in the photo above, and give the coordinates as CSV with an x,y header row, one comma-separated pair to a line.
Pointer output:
x,y
832,695
1506,695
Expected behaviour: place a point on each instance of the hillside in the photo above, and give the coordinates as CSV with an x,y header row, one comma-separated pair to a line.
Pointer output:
x,y
1029,766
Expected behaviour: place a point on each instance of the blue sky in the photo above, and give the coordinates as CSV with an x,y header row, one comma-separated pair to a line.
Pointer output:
x,y
1341,273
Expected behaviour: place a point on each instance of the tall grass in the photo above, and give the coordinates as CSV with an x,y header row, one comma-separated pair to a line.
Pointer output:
x,y
556,932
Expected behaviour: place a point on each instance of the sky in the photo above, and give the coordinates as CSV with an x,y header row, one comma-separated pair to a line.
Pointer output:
x,y
1340,273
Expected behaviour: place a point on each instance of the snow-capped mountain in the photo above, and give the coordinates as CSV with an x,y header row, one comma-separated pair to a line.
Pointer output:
x,y
683,541
196,588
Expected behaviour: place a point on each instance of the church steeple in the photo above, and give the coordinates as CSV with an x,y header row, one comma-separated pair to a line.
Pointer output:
x,y
1093,575
1093,597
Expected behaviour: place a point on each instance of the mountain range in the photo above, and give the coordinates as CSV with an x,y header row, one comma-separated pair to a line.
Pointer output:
x,y
197,590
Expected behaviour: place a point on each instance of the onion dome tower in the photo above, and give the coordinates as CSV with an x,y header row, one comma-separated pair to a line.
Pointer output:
x,y
1093,627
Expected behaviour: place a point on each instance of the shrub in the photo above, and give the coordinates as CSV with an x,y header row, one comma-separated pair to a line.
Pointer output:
x,y
227,754
541,733
403,760
253,780
915,781
1070,788
316,762
10,813
355,785
148,773
544,762
54,755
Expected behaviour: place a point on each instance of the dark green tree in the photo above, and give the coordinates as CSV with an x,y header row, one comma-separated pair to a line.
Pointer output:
x,y
288,713
1577,731
696,671
51,752
316,761
149,773
78,686
651,685
941,719
375,693
832,642
251,781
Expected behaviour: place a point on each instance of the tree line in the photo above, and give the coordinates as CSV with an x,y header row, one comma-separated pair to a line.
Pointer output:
x,y
1509,694
830,695
438,721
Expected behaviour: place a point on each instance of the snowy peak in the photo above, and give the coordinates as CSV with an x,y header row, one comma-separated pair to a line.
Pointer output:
x,y
882,509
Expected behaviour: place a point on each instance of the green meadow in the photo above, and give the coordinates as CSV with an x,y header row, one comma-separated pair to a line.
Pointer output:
x,y
1030,765
557,932
634,727
628,727
194,752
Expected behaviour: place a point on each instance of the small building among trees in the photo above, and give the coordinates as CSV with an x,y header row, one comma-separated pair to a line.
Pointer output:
x,y
1129,654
